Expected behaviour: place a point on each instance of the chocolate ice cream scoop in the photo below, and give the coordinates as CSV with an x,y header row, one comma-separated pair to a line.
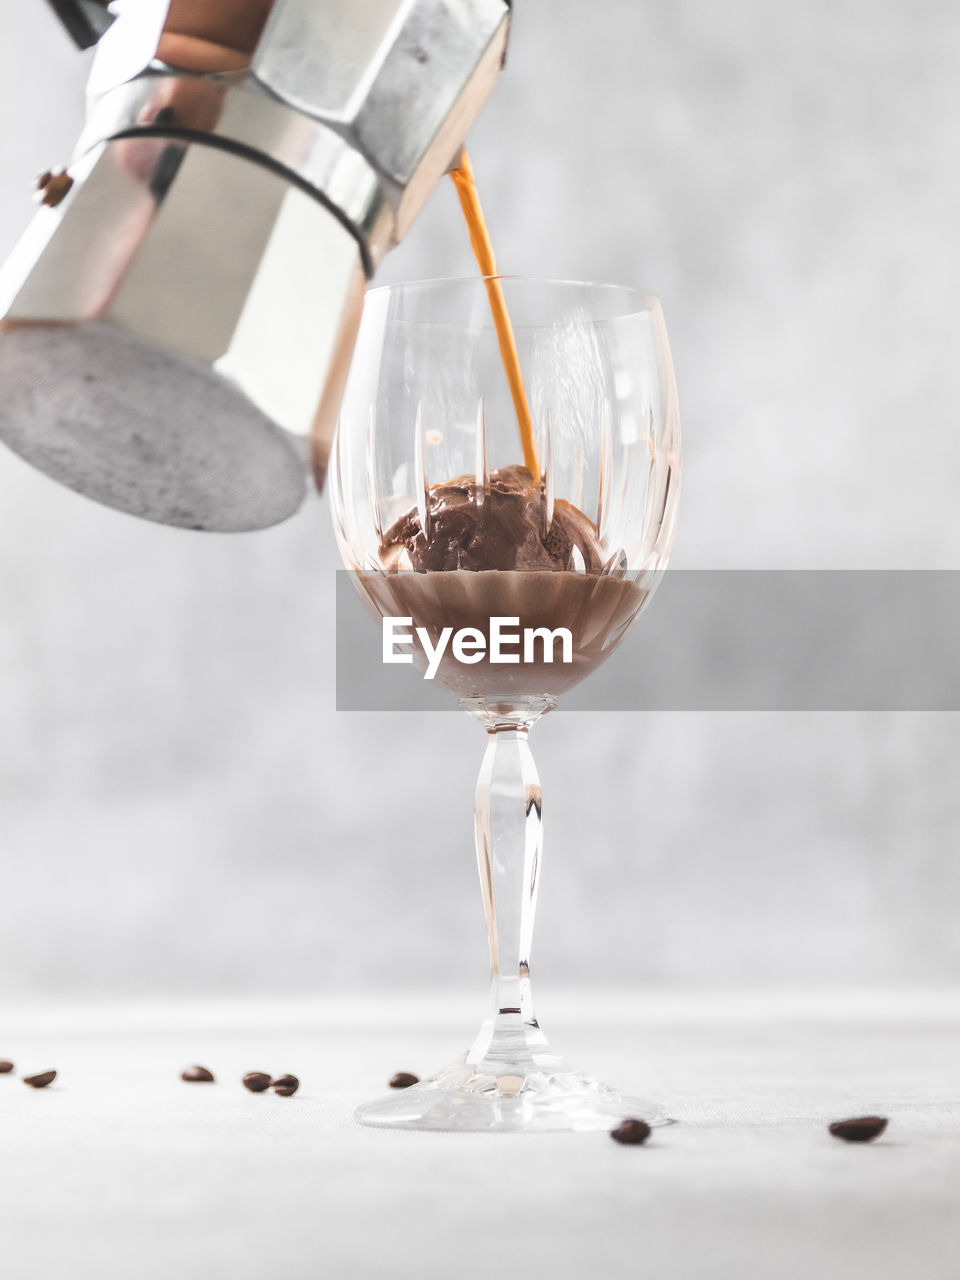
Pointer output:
x,y
507,530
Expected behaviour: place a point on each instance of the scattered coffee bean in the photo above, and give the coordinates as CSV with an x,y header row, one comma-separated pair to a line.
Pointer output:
x,y
860,1129
286,1086
403,1080
632,1132
41,1080
5,1067
197,1075
509,1086
256,1081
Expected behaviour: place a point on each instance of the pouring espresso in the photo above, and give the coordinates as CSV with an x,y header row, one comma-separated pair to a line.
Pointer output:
x,y
177,322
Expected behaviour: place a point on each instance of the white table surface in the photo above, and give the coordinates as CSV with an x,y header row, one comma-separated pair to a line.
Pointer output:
x,y
122,1170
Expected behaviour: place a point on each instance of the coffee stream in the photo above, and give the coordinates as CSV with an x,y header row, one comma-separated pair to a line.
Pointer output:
x,y
465,183
512,528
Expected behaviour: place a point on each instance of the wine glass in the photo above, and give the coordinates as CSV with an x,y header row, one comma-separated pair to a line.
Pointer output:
x,y
447,518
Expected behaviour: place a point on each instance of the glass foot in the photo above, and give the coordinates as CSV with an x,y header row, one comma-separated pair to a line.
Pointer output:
x,y
535,1098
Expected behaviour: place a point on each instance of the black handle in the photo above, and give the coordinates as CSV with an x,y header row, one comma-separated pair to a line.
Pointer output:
x,y
85,20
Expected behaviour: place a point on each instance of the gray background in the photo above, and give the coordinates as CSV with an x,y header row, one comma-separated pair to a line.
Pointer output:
x,y
181,808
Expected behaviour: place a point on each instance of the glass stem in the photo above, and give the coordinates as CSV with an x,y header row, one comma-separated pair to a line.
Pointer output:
x,y
508,831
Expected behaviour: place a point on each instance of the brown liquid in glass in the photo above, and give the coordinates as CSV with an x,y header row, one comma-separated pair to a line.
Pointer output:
x,y
597,608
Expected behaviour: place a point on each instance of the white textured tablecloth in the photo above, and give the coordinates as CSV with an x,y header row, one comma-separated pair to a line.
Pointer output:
x,y
122,1170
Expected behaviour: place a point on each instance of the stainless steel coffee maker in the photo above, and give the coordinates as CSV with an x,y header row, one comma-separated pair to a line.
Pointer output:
x,y
177,321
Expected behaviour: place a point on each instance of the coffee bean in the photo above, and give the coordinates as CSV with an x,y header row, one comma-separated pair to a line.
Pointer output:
x,y
53,186
286,1086
5,1067
197,1075
631,1132
860,1129
41,1080
403,1080
256,1081
509,1086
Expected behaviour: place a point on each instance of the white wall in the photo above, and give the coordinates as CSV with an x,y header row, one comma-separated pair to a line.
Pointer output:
x,y
180,806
